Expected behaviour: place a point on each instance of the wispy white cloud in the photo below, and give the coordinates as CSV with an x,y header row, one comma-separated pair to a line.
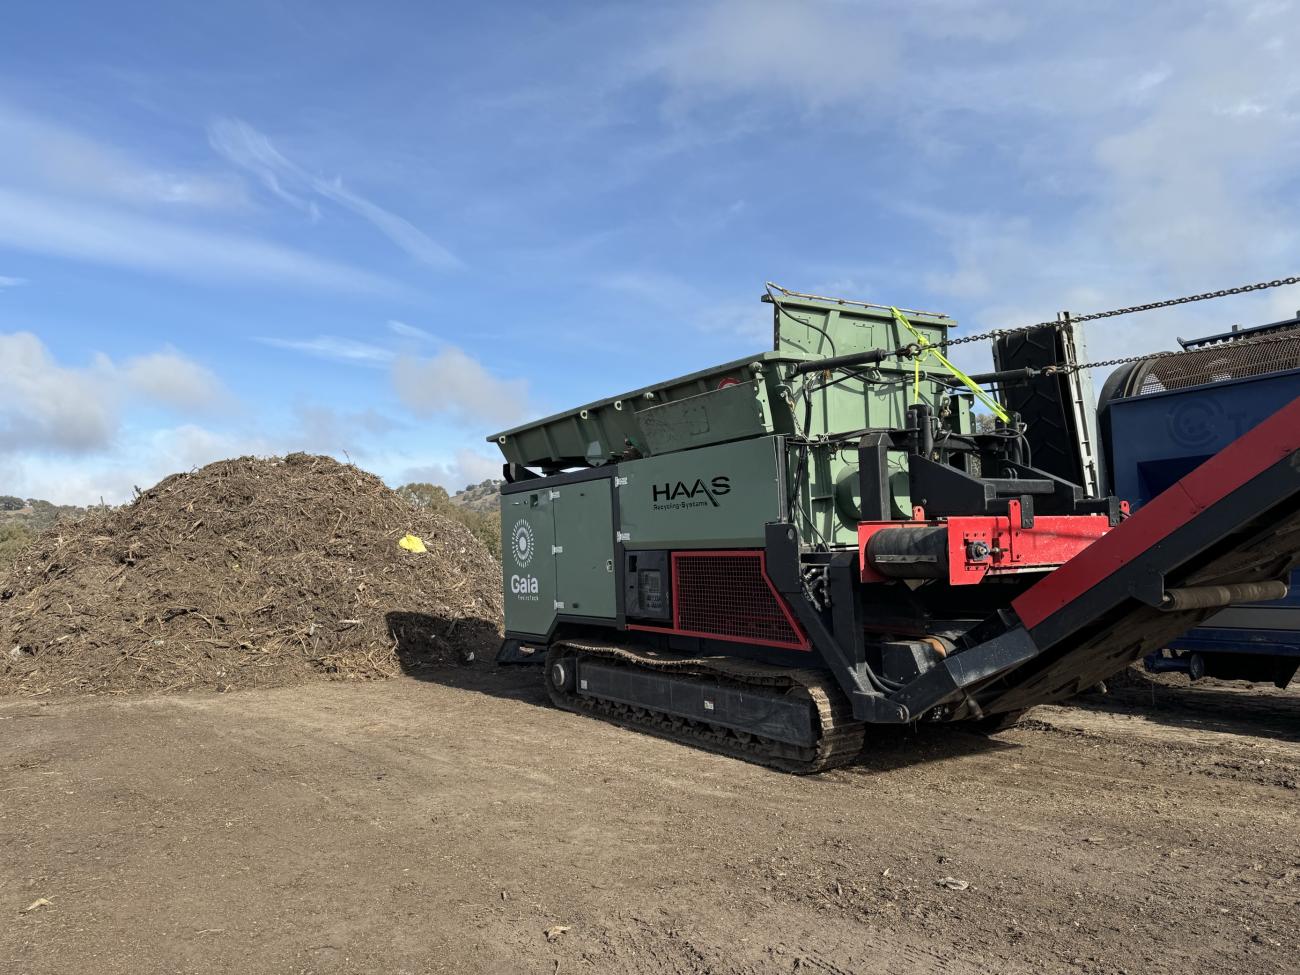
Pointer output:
x,y
747,318
8,282
1178,179
456,385
646,285
245,146
68,195
821,53
1058,164
961,20
408,331
117,238
55,159
336,348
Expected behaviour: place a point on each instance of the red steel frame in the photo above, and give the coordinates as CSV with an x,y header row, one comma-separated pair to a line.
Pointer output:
x,y
675,630
1053,541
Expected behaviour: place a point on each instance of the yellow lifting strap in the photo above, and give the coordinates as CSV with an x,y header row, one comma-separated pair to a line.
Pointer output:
x,y
928,349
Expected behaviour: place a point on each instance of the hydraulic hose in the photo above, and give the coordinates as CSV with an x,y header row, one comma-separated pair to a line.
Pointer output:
x,y
870,357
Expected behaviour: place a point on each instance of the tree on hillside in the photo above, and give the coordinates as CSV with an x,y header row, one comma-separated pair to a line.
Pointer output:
x,y
9,503
424,495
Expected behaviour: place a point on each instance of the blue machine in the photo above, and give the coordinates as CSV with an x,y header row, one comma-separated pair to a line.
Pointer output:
x,y
1159,419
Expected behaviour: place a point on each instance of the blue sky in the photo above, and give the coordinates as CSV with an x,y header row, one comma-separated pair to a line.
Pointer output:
x,y
384,230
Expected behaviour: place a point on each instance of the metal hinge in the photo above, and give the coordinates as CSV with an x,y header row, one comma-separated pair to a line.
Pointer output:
x,y
620,482
555,495
559,604
622,536
557,549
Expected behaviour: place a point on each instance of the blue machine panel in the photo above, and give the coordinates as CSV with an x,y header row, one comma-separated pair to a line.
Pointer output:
x,y
1156,438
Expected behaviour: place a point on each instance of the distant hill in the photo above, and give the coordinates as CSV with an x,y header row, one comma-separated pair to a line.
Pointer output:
x,y
483,497
23,518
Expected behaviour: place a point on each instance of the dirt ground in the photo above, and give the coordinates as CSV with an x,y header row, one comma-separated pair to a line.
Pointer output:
x,y
446,825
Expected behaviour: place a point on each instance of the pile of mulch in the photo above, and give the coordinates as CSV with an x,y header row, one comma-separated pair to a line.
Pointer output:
x,y
246,573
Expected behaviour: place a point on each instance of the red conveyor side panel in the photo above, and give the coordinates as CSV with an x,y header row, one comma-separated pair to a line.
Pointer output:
x,y
1243,459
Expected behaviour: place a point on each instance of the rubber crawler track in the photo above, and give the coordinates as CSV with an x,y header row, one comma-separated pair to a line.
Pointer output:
x,y
839,742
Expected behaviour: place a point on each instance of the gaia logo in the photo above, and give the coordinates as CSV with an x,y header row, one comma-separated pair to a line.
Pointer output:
x,y
521,543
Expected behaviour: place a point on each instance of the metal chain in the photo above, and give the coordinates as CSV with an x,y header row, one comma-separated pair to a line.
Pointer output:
x,y
1291,336
1167,303
1076,319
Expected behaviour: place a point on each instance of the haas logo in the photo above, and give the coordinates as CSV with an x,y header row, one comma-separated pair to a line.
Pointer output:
x,y
711,491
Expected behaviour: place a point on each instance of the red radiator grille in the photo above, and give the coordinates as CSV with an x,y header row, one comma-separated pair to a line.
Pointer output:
x,y
727,596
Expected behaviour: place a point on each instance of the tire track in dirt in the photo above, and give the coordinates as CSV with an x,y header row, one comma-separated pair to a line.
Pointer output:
x,y
425,826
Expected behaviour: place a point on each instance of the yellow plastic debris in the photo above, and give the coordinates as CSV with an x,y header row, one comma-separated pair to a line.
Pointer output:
x,y
412,543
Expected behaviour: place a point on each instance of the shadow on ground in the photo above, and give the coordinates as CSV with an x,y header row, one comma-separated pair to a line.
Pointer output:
x,y
1236,708
460,653
889,748
423,641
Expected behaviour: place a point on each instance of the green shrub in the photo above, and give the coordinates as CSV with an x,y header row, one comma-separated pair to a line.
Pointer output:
x,y
13,539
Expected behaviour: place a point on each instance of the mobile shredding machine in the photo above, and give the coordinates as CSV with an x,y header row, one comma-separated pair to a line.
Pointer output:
x,y
767,557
